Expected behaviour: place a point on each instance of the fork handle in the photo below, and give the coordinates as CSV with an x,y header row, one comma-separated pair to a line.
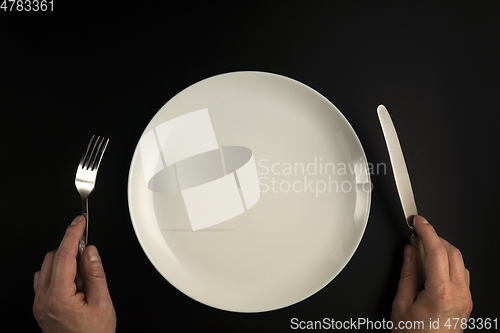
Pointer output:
x,y
83,241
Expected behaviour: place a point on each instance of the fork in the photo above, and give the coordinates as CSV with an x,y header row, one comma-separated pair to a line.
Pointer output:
x,y
86,174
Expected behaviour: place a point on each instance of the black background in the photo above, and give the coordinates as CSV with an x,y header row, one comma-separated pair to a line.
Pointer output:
x,y
107,68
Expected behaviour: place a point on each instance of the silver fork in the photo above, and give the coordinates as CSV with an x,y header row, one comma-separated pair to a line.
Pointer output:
x,y
86,174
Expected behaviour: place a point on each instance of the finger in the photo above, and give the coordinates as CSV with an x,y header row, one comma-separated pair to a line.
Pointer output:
x,y
467,277
410,281
46,271
456,264
436,256
64,268
93,277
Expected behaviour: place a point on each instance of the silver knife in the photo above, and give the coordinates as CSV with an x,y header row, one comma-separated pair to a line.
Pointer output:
x,y
401,176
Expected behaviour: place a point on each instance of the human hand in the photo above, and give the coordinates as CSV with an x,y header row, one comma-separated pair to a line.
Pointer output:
x,y
58,307
446,294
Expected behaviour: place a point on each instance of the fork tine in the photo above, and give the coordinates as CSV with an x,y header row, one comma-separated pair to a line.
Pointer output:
x,y
96,160
98,153
95,153
82,160
88,158
101,154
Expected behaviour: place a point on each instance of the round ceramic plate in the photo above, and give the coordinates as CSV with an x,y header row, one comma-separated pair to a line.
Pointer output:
x,y
249,191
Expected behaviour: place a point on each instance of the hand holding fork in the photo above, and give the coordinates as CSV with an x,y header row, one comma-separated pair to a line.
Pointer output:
x,y
59,304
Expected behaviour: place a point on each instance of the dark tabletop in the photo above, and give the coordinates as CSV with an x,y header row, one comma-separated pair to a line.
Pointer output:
x,y
108,68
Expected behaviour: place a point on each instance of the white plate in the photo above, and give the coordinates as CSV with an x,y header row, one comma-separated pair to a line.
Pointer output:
x,y
283,216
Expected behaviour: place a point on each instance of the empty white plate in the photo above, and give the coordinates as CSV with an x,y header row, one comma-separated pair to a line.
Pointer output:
x,y
249,191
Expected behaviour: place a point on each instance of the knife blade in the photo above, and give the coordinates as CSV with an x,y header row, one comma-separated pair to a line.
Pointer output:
x,y
401,176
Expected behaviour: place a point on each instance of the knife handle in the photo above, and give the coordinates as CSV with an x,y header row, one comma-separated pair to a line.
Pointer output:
x,y
417,242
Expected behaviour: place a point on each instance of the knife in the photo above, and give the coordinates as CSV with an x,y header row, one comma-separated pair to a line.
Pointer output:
x,y
401,177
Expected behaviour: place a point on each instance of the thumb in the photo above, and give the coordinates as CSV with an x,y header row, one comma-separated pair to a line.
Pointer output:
x,y
410,281
93,277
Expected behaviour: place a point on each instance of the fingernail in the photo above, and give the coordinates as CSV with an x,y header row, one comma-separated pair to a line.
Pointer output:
x,y
408,254
420,219
92,254
77,220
